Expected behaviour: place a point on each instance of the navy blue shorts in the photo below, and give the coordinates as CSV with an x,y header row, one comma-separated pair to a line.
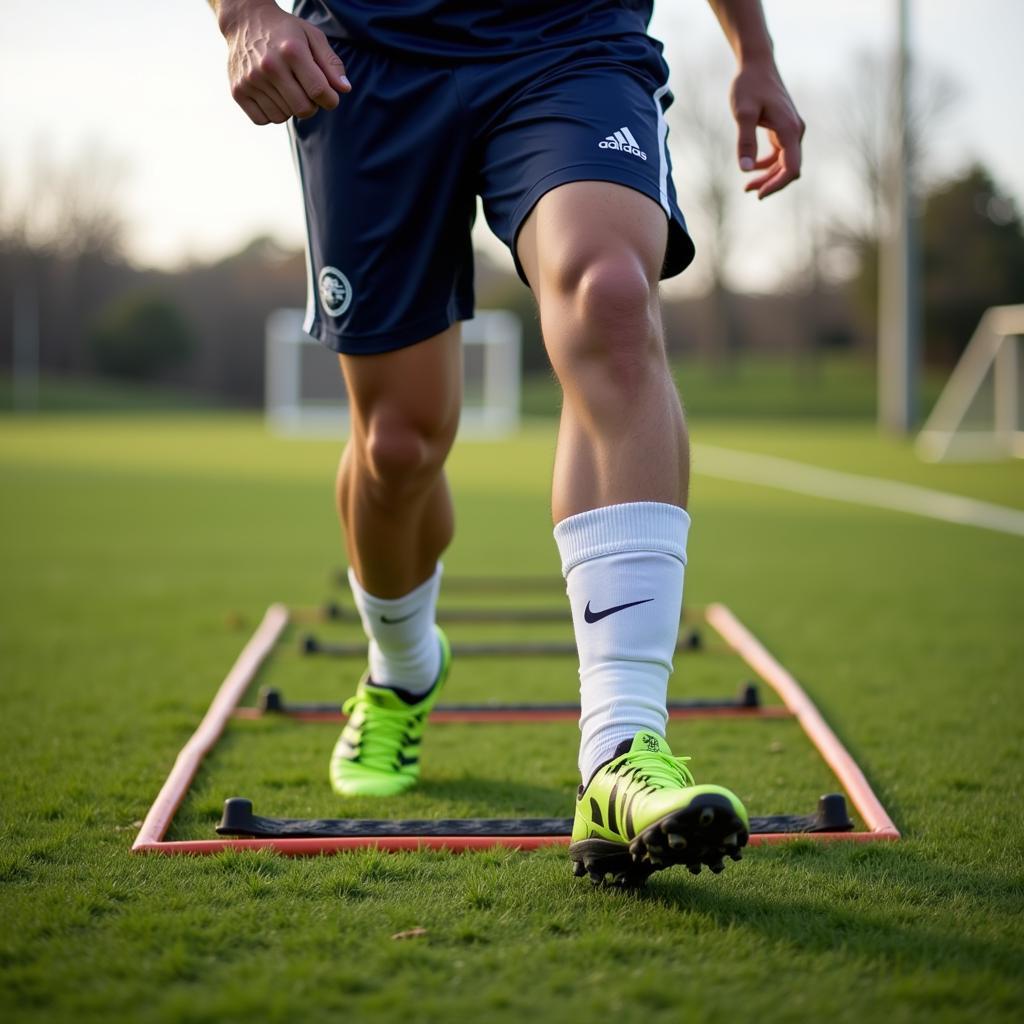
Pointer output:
x,y
390,177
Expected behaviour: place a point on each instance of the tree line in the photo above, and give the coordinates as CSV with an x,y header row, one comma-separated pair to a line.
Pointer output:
x,y
66,281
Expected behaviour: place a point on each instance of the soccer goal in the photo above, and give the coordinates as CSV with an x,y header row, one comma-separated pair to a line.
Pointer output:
x,y
305,394
978,414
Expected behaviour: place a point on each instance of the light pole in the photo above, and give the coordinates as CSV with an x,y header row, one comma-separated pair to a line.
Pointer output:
x,y
899,321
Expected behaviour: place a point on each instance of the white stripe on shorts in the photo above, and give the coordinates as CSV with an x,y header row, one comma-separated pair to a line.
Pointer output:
x,y
662,154
307,324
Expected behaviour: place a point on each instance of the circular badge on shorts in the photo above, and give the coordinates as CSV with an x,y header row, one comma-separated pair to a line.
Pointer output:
x,y
335,291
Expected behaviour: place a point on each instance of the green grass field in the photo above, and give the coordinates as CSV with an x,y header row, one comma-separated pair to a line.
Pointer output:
x,y
832,386
140,551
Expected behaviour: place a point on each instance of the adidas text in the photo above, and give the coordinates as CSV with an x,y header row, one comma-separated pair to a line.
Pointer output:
x,y
623,141
611,143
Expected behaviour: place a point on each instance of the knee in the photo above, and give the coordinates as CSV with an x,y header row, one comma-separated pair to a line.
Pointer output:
x,y
403,458
605,323
610,292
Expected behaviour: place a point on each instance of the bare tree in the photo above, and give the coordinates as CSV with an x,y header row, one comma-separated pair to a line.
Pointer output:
x,y
73,208
62,237
867,135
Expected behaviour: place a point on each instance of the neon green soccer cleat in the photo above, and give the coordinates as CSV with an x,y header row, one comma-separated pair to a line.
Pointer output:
x,y
642,812
378,752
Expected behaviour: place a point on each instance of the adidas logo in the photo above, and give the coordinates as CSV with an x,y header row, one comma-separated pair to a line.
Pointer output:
x,y
623,140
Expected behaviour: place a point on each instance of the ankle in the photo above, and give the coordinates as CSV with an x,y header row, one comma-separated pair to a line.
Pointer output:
x,y
404,651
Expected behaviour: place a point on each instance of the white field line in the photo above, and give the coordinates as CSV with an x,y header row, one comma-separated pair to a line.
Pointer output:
x,y
788,475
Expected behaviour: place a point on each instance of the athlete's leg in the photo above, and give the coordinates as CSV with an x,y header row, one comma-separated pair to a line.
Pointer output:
x,y
396,512
389,207
592,252
392,494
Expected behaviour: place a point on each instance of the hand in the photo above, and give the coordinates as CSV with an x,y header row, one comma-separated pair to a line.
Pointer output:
x,y
759,99
279,66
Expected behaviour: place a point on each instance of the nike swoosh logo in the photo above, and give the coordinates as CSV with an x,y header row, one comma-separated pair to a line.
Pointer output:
x,y
394,622
598,616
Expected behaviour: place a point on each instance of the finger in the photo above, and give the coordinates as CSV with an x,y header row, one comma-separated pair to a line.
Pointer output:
x,y
778,181
787,137
290,94
311,79
271,106
328,61
763,163
756,184
792,155
252,110
242,94
770,165
274,78
746,150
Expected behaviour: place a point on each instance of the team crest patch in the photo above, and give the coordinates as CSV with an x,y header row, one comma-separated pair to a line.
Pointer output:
x,y
335,291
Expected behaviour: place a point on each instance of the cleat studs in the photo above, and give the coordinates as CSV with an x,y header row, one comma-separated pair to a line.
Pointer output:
x,y
694,869
707,816
676,841
731,840
578,869
717,866
735,855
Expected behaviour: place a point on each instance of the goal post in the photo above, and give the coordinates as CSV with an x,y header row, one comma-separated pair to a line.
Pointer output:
x,y
304,393
978,414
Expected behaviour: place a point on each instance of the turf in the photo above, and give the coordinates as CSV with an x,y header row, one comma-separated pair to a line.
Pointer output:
x,y
138,553
830,387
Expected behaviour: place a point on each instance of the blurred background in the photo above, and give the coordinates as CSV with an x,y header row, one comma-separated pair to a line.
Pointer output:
x,y
147,229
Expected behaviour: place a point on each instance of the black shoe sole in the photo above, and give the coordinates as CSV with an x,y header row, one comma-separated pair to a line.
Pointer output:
x,y
705,832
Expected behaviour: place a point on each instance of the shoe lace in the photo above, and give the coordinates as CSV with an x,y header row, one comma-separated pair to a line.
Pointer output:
x,y
382,731
661,771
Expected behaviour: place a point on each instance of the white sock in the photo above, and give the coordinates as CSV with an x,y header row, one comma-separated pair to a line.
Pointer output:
x,y
404,652
623,567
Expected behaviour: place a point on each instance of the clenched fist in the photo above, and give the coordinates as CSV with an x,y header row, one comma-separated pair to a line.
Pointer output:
x,y
279,65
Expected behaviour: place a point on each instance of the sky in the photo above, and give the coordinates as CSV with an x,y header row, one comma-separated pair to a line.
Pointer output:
x,y
147,83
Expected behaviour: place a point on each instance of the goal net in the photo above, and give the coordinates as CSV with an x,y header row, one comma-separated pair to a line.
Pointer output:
x,y
978,415
305,394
